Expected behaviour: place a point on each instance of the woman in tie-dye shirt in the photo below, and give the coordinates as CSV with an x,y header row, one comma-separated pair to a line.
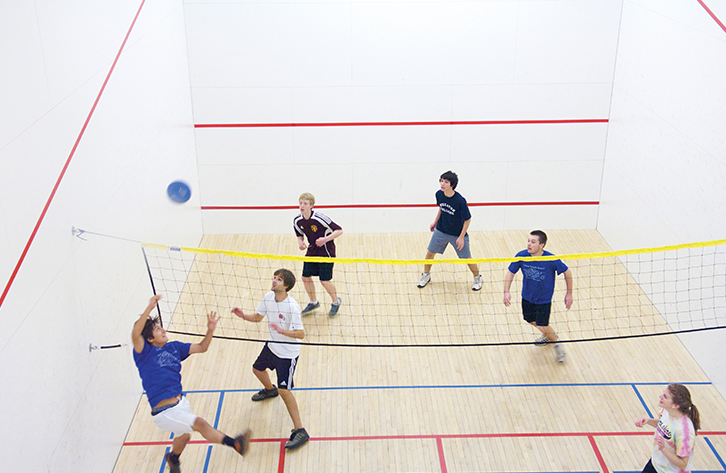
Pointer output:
x,y
675,431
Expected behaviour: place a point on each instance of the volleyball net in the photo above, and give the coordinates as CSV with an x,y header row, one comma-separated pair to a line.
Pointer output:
x,y
618,294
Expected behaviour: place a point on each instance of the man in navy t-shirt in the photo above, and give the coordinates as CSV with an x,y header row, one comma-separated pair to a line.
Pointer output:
x,y
159,363
538,287
449,227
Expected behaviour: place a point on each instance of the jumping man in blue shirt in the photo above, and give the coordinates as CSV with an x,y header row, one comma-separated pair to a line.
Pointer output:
x,y
159,363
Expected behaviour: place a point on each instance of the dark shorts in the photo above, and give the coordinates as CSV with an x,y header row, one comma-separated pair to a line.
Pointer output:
x,y
284,367
538,313
649,468
322,270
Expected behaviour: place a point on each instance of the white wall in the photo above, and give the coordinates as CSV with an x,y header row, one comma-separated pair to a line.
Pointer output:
x,y
342,62
65,408
663,181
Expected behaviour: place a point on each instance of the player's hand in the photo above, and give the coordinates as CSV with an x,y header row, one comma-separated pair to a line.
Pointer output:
x,y
507,298
321,241
460,243
302,245
212,319
275,327
432,227
641,422
568,301
238,312
154,300
660,442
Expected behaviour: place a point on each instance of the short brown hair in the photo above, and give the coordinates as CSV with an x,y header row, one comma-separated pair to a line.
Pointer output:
x,y
288,279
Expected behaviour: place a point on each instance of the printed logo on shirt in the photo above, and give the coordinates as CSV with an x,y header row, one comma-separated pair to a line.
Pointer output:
x,y
533,272
283,383
281,317
447,208
166,359
314,228
663,430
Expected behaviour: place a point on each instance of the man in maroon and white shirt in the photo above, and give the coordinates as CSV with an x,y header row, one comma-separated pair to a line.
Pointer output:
x,y
320,231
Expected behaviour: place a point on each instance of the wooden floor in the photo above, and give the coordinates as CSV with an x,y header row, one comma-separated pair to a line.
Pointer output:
x,y
476,409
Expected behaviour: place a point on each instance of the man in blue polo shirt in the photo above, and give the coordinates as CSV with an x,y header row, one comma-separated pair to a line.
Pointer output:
x,y
159,363
538,287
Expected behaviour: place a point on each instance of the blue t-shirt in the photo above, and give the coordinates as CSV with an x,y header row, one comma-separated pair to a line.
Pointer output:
x,y
538,277
454,212
160,369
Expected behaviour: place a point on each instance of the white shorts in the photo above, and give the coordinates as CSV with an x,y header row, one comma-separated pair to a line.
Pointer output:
x,y
178,419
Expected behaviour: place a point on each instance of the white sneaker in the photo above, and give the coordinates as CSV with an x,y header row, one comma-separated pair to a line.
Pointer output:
x,y
560,353
425,279
477,283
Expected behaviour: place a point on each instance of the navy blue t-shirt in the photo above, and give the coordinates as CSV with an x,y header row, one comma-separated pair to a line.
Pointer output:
x,y
454,212
538,277
160,369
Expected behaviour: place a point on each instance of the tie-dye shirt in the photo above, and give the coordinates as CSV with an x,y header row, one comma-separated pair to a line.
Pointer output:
x,y
680,437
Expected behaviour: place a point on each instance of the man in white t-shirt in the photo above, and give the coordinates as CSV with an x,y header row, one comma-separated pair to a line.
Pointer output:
x,y
285,322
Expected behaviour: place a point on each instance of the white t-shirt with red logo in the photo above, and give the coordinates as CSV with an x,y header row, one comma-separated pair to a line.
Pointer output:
x,y
286,314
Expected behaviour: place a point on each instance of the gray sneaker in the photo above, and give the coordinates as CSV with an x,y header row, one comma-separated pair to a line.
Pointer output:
x,y
297,439
542,341
477,283
425,279
334,308
310,307
559,353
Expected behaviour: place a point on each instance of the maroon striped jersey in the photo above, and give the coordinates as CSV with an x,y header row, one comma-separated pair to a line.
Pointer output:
x,y
318,225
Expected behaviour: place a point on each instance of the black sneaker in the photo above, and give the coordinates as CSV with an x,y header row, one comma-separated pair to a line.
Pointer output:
x,y
310,307
242,442
265,394
297,439
334,308
174,467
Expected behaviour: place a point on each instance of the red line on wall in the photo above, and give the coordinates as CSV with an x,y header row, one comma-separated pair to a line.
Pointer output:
x,y
389,206
67,163
708,10
442,459
436,123
600,459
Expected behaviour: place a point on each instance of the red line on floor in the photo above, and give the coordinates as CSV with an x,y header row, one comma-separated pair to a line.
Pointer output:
x,y
67,163
281,462
442,459
436,123
436,437
600,459
708,10
390,206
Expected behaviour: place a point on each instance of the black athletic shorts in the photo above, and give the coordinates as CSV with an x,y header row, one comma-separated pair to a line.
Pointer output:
x,y
323,270
285,367
538,313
